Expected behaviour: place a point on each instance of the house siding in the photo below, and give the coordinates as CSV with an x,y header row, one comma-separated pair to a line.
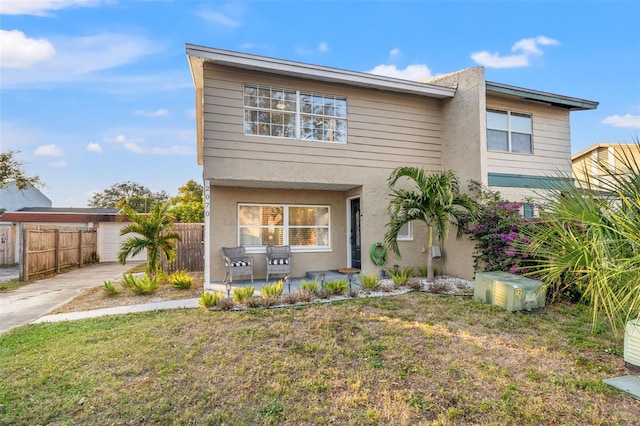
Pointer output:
x,y
551,141
385,130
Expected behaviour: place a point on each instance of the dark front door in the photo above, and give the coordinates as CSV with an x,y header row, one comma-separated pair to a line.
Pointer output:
x,y
355,233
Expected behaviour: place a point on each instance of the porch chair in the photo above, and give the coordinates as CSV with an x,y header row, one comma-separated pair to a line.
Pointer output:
x,y
278,260
237,262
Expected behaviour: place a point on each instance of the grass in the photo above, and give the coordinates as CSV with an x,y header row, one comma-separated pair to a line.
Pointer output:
x,y
11,285
412,359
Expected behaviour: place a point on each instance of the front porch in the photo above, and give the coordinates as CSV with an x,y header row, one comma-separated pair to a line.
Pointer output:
x,y
258,283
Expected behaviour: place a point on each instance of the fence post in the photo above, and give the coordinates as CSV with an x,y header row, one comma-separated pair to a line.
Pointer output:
x,y
80,249
24,270
57,250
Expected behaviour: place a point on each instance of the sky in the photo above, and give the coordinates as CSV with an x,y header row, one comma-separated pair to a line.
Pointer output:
x,y
99,92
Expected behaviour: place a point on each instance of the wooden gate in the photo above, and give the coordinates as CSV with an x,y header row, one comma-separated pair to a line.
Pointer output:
x,y
53,250
189,251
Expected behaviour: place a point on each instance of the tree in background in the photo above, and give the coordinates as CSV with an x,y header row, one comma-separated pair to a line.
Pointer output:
x,y
154,234
188,205
12,170
128,194
436,200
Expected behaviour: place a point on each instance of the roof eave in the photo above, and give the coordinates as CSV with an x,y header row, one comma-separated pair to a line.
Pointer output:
x,y
573,104
316,72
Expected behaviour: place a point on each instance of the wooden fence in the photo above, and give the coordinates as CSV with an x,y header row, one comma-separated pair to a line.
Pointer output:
x,y
7,244
189,251
51,251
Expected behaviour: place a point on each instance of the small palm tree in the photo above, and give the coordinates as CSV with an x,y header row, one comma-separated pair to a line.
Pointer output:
x,y
154,235
436,201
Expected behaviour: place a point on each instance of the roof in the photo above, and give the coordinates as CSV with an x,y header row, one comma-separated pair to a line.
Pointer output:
x,y
315,72
604,145
561,101
61,215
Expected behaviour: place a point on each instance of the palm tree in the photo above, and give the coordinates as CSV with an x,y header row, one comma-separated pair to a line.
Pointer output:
x,y
154,235
436,201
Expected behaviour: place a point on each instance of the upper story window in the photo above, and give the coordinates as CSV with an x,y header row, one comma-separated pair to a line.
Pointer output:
x,y
509,132
270,111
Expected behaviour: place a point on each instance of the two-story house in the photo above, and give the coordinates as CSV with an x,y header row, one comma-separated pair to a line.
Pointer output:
x,y
299,154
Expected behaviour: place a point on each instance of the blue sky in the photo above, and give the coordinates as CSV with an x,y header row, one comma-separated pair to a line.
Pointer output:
x,y
96,92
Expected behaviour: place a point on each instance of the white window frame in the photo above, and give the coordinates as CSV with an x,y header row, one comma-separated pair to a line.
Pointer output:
x,y
509,130
286,227
299,94
408,236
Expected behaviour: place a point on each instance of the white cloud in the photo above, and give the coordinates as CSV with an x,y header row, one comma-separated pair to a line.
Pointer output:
x,y
164,138
41,7
494,60
627,121
412,72
229,17
94,147
174,150
19,51
153,114
79,58
133,147
394,52
58,164
323,47
527,47
48,150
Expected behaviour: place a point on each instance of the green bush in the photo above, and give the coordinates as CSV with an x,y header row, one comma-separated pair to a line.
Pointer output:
x,y
337,287
422,270
210,299
310,286
272,290
401,277
181,279
109,288
369,282
242,294
142,285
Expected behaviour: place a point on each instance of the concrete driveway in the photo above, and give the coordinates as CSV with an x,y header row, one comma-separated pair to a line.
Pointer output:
x,y
38,298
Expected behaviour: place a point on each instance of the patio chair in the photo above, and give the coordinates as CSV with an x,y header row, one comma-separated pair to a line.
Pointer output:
x,y
278,260
237,262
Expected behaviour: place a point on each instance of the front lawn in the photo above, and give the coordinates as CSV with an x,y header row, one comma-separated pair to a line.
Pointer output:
x,y
413,359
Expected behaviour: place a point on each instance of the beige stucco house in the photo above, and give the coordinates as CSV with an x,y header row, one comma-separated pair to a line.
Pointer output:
x,y
299,154
585,163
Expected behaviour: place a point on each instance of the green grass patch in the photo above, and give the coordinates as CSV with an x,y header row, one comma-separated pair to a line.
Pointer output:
x,y
411,359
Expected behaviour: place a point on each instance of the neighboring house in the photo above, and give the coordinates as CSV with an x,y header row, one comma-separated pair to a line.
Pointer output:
x,y
106,221
585,164
299,154
12,198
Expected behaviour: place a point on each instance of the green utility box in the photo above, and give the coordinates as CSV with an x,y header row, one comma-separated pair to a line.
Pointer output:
x,y
512,292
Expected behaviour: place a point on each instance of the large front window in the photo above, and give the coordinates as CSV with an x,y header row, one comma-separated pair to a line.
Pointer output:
x,y
270,111
298,226
509,131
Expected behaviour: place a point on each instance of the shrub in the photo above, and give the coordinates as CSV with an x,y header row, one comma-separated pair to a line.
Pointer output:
x,y
291,298
305,296
225,304
310,286
109,288
181,279
210,299
143,285
422,270
337,287
272,290
354,293
401,277
242,294
256,302
499,229
369,282
415,285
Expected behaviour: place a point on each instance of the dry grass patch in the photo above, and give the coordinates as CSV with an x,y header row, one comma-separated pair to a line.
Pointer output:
x,y
411,359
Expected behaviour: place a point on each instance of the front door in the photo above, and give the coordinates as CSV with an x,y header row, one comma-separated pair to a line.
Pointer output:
x,y
355,233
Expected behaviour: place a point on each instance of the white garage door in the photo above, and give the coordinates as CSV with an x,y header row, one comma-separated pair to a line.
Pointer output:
x,y
110,240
